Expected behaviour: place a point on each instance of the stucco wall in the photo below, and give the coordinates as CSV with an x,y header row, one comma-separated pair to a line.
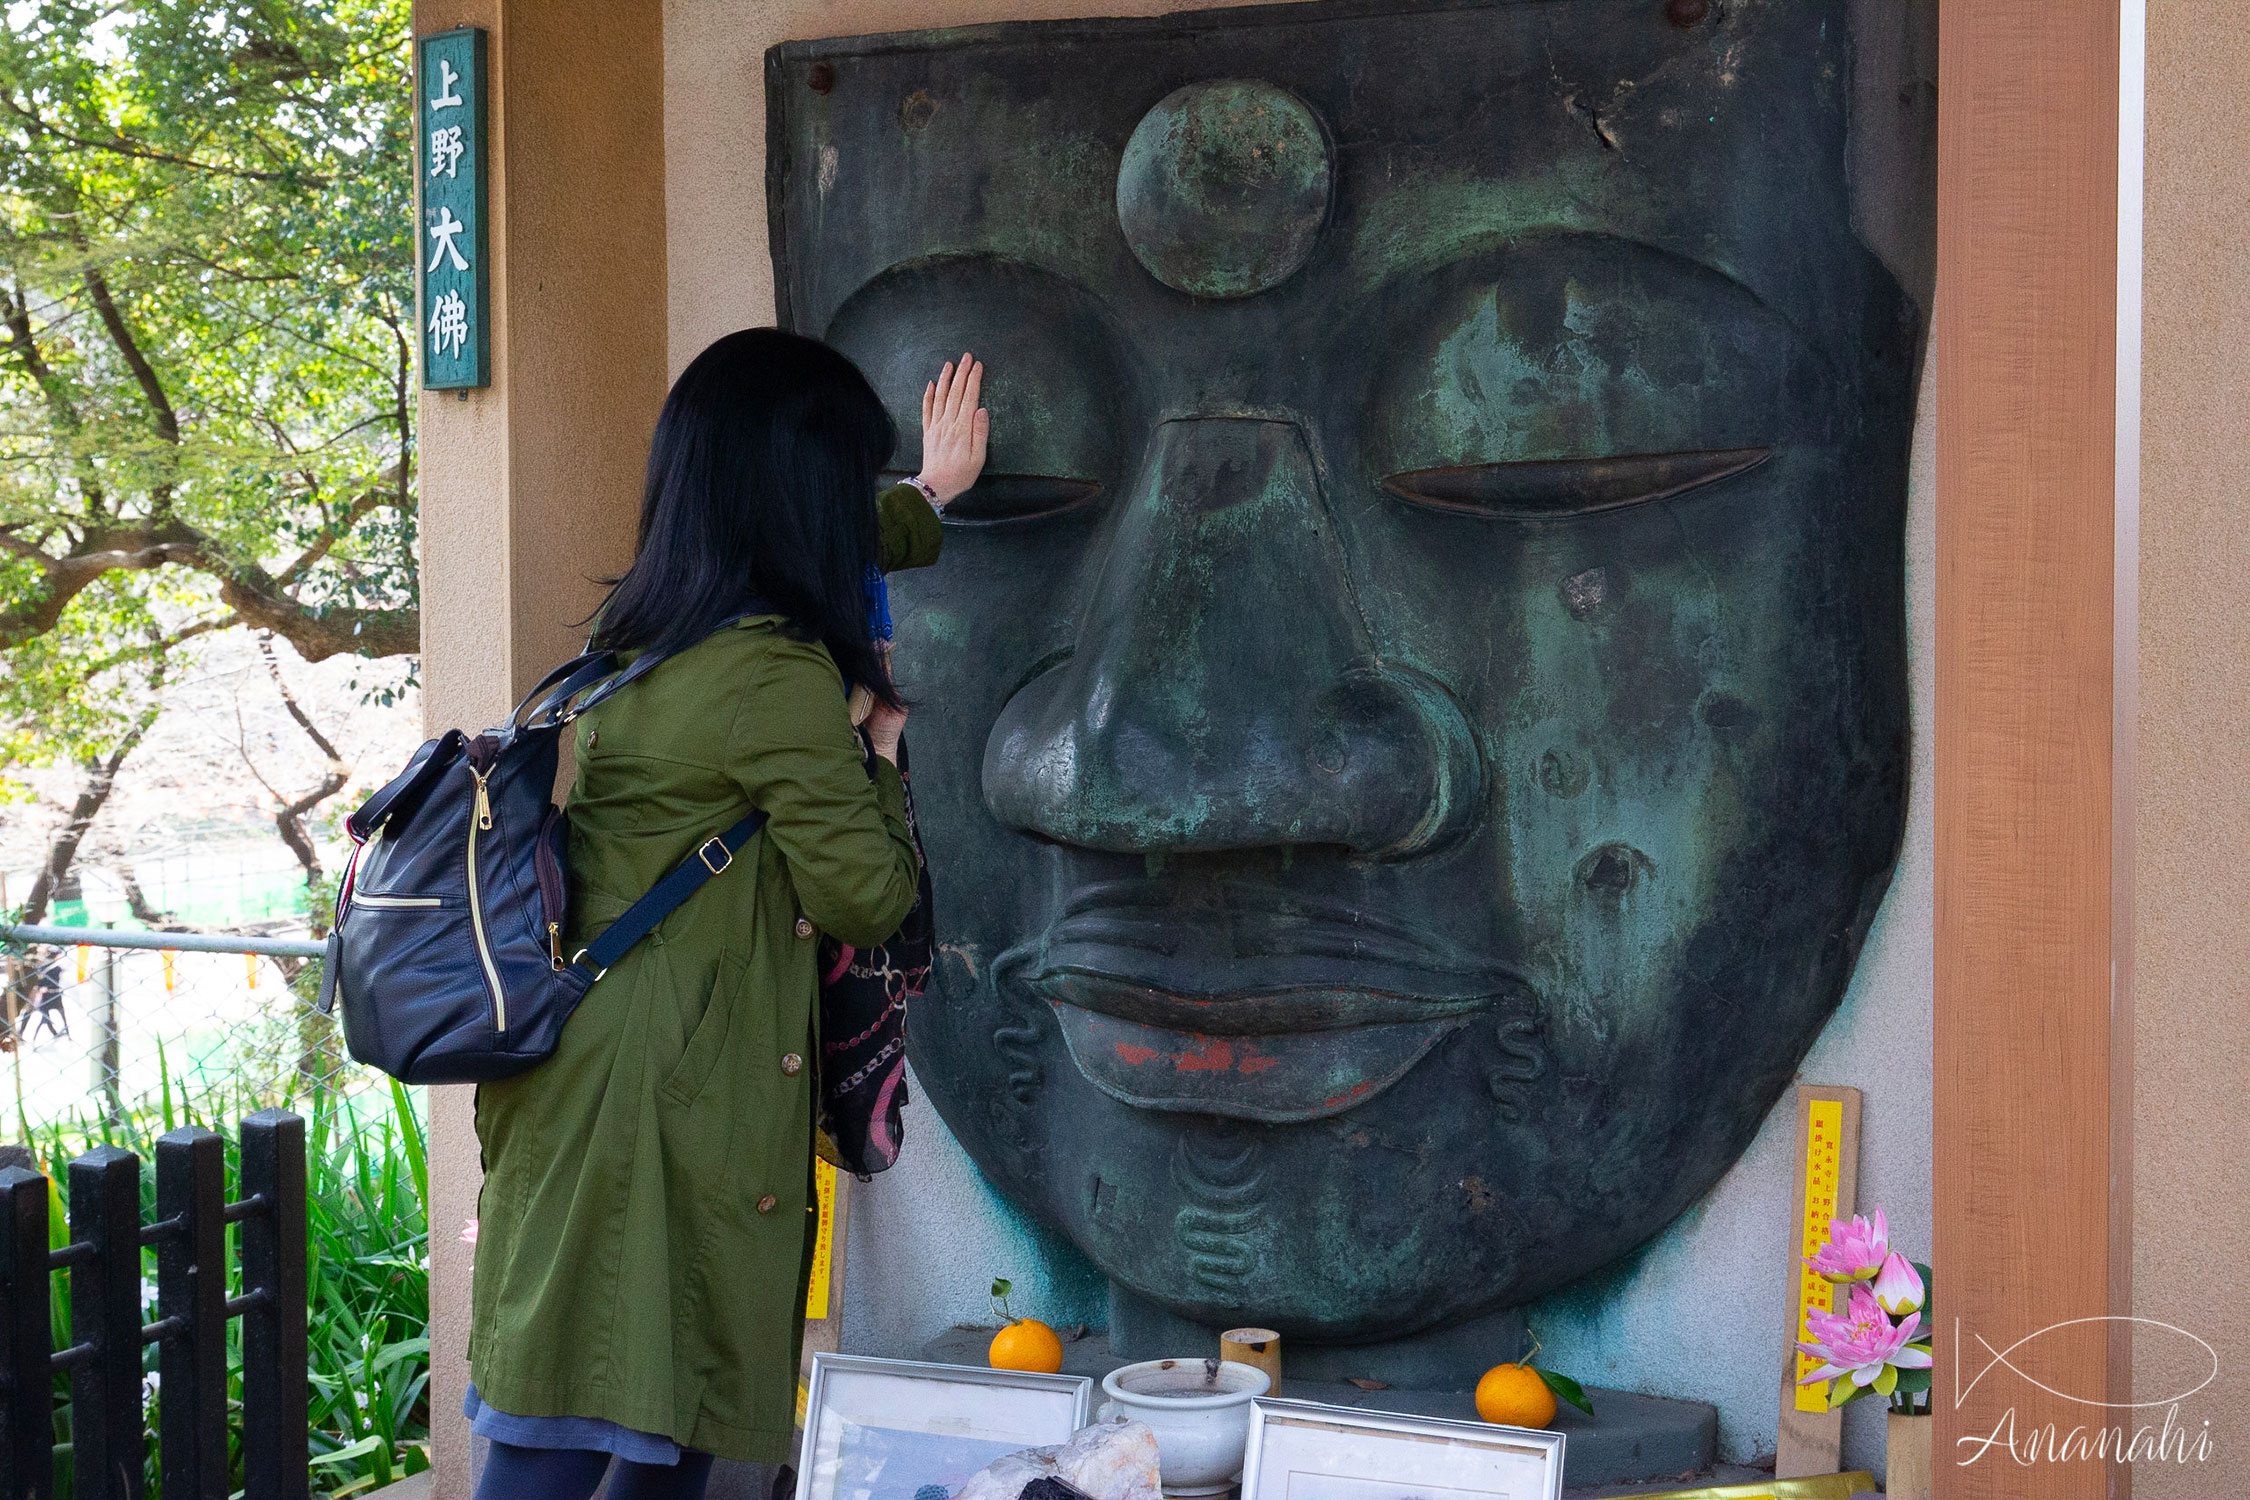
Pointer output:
x,y
2192,950
530,487
1700,1311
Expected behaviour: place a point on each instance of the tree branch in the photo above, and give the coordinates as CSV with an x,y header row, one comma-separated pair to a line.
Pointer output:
x,y
254,595
124,145
160,647
144,373
289,702
25,347
101,779
289,819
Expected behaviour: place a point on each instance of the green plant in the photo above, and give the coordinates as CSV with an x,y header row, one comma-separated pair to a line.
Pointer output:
x,y
367,1274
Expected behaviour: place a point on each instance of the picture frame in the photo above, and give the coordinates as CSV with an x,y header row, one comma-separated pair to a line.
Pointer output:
x,y
1308,1450
899,1429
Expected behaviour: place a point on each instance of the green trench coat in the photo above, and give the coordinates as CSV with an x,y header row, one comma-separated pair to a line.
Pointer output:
x,y
643,1233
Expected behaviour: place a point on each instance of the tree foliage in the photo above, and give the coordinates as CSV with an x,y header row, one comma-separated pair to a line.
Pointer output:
x,y
206,344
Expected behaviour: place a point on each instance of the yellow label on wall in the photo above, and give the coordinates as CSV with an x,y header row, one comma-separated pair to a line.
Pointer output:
x,y
824,1241
1824,1154
804,1401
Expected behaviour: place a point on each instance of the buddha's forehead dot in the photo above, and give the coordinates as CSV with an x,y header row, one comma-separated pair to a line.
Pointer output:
x,y
1224,187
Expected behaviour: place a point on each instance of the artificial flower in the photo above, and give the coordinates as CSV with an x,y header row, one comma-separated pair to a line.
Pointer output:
x,y
1864,1345
1854,1251
1898,1286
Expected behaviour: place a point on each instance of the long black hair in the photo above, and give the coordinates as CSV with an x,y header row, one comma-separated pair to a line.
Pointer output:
x,y
760,494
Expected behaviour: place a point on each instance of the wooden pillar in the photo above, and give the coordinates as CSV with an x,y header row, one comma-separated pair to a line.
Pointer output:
x,y
2032,1067
530,488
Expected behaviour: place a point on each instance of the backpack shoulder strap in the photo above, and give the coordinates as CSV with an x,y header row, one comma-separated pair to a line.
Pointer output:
x,y
666,896
606,661
560,685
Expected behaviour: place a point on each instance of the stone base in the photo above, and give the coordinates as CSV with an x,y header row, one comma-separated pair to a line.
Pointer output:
x,y
1634,1438
1443,1359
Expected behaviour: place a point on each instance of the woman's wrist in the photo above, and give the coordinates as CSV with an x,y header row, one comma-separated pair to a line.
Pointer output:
x,y
929,491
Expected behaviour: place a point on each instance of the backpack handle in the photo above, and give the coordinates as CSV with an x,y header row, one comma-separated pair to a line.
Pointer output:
x,y
433,757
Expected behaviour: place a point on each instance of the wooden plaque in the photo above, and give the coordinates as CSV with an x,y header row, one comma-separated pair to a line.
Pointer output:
x,y
824,1289
1811,1440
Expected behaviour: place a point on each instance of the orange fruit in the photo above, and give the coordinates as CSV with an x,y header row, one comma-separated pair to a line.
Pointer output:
x,y
1028,1344
1515,1396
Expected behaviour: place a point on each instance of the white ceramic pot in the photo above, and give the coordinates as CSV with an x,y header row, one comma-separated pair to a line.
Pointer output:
x,y
1199,1410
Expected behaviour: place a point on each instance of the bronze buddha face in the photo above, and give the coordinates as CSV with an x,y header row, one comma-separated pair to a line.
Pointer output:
x,y
1411,728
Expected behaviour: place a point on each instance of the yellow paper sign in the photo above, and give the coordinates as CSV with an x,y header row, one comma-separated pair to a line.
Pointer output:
x,y
1815,1487
824,1240
1824,1153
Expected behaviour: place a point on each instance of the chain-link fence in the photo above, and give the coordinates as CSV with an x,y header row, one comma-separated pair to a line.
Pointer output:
x,y
101,1023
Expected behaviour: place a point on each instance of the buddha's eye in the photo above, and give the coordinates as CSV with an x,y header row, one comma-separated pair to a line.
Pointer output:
x,y
1543,488
997,499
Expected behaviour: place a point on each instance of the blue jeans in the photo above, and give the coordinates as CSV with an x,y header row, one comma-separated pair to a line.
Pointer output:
x,y
512,1473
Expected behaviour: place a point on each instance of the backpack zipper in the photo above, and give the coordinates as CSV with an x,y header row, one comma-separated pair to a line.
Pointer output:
x,y
361,898
483,820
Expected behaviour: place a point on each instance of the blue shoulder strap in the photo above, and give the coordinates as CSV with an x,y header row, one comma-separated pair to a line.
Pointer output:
x,y
711,857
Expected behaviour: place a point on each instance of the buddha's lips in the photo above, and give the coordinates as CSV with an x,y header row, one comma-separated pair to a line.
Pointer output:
x,y
1274,1055
1246,1000
1278,1079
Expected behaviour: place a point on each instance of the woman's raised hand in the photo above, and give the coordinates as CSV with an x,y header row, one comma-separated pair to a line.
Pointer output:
x,y
954,428
884,726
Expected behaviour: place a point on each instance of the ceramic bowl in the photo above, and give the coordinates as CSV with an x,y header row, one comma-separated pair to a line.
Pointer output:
x,y
1199,1410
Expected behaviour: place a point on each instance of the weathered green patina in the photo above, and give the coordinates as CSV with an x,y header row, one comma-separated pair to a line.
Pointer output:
x,y
1413,728
1223,190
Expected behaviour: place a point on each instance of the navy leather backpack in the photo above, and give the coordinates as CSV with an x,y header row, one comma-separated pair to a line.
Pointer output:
x,y
446,953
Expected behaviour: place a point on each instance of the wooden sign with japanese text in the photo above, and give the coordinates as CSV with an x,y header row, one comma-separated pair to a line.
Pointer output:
x,y
831,1210
450,143
1811,1439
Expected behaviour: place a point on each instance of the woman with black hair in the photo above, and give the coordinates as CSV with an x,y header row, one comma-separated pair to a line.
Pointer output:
x,y
643,1235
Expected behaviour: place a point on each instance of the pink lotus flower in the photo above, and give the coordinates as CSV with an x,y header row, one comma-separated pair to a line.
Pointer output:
x,y
1854,1251
1864,1344
1898,1286
468,1231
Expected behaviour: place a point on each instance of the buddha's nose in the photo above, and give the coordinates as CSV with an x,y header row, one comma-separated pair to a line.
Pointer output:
x,y
1223,692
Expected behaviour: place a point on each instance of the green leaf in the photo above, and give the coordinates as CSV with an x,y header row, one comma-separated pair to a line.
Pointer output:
x,y
1002,1288
410,1137
1886,1380
391,1354
349,1452
1914,1381
1566,1389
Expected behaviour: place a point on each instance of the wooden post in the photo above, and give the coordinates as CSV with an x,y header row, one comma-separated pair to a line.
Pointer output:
x,y
2033,1013
275,1398
1811,1440
191,1291
27,1339
108,1450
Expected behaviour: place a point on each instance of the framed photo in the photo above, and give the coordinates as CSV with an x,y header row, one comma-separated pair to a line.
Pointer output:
x,y
1303,1450
897,1429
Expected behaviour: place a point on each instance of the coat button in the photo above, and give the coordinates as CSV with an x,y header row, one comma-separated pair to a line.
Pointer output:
x,y
765,1204
792,1064
804,927
593,738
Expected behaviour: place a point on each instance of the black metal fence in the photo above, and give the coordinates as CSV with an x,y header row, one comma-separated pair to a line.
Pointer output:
x,y
106,1360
